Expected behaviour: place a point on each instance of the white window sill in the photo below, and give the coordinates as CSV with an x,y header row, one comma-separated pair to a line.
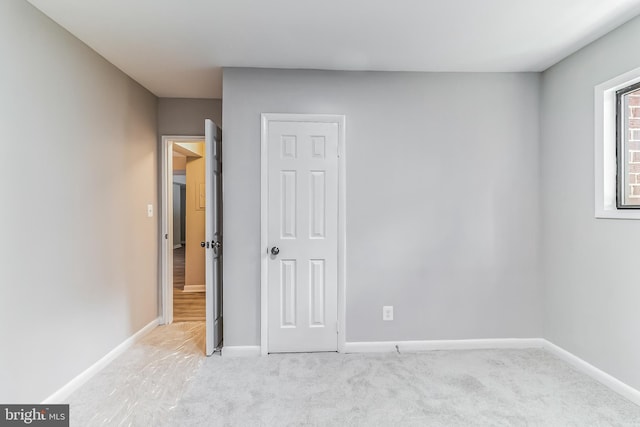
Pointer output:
x,y
618,213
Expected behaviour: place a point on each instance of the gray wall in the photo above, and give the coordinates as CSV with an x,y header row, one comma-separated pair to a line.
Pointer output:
x,y
591,280
79,256
442,199
185,116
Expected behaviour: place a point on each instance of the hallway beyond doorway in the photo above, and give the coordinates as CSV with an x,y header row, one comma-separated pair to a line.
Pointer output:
x,y
178,268
187,306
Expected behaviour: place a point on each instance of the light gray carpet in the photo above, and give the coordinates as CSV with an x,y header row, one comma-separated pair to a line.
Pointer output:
x,y
143,385
441,388
165,380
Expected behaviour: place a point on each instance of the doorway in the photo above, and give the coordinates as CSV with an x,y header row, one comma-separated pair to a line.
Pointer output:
x,y
189,213
191,279
303,233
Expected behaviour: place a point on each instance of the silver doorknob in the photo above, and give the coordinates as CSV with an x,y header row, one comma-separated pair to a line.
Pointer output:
x,y
275,250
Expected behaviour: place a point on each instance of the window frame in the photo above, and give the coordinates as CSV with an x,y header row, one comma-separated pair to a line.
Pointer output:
x,y
605,142
621,130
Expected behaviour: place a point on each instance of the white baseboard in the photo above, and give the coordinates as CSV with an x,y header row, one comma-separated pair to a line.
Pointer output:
x,y
63,393
194,288
416,346
613,383
241,351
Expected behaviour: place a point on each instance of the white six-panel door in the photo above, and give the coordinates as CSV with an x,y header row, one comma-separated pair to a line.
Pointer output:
x,y
302,234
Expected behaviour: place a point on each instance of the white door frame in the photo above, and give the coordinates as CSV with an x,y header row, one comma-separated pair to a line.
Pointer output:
x,y
264,214
166,234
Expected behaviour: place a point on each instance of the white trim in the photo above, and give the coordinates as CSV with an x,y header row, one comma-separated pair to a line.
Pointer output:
x,y
241,351
605,147
430,345
166,209
602,377
340,120
65,391
342,233
264,241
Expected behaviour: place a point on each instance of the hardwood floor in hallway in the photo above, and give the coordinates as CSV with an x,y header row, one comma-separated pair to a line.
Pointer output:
x,y
178,267
187,306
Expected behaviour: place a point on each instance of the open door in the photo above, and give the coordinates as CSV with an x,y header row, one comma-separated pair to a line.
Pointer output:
x,y
213,236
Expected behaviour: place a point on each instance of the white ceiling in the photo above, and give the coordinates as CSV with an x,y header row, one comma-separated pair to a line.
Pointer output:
x,y
176,48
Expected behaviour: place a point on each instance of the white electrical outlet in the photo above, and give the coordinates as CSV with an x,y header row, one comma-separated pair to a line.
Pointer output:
x,y
149,210
387,312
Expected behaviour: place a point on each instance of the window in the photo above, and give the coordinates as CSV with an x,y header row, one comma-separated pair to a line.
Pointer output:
x,y
617,114
628,147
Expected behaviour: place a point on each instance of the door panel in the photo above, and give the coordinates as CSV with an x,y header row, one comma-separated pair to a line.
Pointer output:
x,y
213,235
303,225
